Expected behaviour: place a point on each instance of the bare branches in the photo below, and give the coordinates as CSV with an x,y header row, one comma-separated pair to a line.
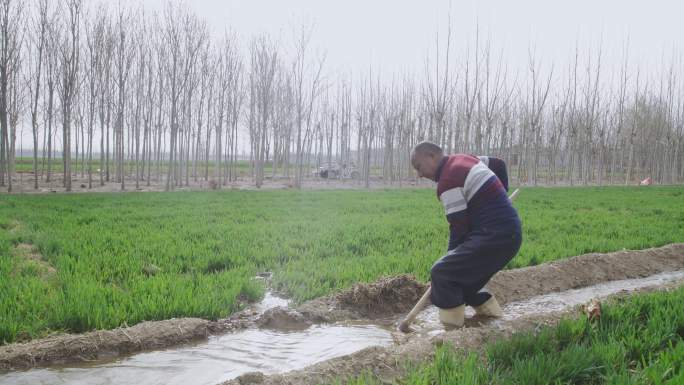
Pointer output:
x,y
171,104
307,79
11,36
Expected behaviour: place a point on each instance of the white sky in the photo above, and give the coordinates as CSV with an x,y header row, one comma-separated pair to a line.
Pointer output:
x,y
395,35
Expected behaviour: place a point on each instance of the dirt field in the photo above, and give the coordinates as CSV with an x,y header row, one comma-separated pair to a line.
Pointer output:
x,y
23,184
379,302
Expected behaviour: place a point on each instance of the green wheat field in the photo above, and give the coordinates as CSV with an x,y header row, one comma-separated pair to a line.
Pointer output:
x,y
97,261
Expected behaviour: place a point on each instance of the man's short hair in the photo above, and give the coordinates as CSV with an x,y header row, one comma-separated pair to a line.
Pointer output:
x,y
427,148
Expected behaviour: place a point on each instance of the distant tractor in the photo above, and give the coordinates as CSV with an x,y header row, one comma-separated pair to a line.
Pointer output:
x,y
334,170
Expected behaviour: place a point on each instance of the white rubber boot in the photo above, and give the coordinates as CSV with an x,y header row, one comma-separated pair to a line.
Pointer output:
x,y
490,308
453,317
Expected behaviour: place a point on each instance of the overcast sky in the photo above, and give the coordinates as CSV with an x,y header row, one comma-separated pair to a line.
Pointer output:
x,y
395,35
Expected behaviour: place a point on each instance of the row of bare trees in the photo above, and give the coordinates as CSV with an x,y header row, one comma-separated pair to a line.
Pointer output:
x,y
154,98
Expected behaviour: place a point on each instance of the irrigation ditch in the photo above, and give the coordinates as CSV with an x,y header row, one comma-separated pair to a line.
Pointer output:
x,y
333,337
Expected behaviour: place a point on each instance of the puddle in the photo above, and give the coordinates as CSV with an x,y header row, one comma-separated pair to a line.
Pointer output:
x,y
552,302
270,301
221,358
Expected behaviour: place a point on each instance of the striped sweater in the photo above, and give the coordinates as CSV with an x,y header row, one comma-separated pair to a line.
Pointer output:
x,y
473,192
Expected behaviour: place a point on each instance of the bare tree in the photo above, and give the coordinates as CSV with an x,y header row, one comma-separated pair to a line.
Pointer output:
x,y
11,13
306,90
236,97
69,59
51,80
40,25
178,106
95,61
535,110
264,63
123,61
172,66
620,118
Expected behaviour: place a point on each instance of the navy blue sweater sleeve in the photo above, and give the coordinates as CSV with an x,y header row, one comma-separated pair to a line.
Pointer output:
x,y
458,229
498,166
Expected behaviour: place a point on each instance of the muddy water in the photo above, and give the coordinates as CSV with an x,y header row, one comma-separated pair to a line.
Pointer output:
x,y
225,357
270,301
427,321
558,301
219,358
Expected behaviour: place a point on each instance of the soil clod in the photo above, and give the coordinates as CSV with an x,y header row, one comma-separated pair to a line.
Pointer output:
x,y
251,378
280,318
386,296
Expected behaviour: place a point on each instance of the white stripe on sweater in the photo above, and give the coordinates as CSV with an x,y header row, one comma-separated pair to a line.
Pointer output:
x,y
477,176
453,200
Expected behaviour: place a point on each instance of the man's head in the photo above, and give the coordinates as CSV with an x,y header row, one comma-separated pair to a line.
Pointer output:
x,y
425,158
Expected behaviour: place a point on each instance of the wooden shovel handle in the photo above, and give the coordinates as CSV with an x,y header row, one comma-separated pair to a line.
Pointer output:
x,y
404,325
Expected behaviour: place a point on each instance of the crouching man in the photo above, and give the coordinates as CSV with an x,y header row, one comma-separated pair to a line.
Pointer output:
x,y
484,227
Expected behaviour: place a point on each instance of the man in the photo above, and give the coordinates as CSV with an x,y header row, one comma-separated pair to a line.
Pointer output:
x,y
484,234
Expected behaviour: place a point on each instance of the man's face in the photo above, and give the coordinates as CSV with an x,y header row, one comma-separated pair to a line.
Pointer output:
x,y
425,164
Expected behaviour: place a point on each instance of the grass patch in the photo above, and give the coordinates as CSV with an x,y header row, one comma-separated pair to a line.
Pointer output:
x,y
636,341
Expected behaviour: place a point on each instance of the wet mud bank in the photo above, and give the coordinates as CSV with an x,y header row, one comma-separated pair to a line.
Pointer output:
x,y
251,355
389,297
99,345
389,363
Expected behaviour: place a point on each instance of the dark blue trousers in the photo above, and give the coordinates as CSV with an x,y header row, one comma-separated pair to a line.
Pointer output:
x,y
459,277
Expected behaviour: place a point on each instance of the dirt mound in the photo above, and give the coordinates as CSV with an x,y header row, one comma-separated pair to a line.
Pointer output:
x,y
584,270
383,297
280,318
251,378
102,344
386,297
393,296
